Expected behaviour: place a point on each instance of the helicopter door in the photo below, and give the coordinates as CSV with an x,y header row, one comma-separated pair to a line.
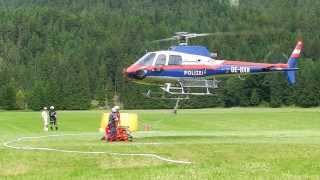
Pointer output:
x,y
160,62
175,60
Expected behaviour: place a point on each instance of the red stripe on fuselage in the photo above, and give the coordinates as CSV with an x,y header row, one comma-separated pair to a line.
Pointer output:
x,y
251,64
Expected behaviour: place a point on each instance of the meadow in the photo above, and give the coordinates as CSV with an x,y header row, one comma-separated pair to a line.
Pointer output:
x,y
234,143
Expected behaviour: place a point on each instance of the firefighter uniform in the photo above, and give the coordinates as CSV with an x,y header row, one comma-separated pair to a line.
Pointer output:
x,y
53,118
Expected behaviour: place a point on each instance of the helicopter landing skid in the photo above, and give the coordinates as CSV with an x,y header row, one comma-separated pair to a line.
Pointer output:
x,y
183,90
191,87
164,96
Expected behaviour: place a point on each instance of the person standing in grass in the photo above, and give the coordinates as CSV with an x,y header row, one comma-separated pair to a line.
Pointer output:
x,y
53,118
111,128
112,124
44,117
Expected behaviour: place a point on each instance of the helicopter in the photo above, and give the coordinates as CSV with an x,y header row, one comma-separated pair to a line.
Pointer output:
x,y
185,69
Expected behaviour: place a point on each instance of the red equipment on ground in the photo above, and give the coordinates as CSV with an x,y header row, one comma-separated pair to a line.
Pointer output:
x,y
121,132
121,135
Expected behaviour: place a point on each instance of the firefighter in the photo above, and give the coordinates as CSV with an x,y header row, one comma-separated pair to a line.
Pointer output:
x,y
45,117
53,118
127,132
113,118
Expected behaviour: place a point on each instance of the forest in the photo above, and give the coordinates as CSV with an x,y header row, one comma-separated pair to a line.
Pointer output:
x,y
71,53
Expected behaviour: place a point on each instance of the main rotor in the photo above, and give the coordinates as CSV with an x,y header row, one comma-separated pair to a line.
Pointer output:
x,y
183,37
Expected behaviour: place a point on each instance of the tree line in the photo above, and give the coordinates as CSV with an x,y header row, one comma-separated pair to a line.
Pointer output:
x,y
71,53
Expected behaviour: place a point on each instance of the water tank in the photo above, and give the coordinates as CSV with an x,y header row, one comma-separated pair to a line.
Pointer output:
x,y
129,120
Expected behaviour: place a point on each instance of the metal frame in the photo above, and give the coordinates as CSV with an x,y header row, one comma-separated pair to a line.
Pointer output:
x,y
183,89
191,87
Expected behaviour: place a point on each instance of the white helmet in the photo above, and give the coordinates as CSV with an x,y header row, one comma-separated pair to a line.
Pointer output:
x,y
45,108
113,110
51,107
117,108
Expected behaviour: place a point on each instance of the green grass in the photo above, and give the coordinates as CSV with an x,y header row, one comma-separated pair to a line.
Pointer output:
x,y
236,143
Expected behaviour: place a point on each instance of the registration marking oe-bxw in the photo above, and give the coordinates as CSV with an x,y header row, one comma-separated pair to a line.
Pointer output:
x,y
240,69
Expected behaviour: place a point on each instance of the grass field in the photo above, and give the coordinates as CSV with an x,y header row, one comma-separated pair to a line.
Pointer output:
x,y
237,143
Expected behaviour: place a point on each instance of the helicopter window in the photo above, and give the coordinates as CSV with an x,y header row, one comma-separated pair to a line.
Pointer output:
x,y
175,60
161,60
147,59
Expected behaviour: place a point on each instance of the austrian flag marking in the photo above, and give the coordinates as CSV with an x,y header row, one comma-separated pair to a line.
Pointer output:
x,y
296,52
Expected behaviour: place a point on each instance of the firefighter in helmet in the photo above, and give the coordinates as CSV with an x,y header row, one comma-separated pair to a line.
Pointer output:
x,y
53,118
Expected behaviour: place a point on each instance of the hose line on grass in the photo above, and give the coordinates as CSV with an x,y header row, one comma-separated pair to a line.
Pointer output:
x,y
8,144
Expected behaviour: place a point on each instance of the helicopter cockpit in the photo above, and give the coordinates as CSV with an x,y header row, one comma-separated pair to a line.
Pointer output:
x,y
159,59
173,56
146,60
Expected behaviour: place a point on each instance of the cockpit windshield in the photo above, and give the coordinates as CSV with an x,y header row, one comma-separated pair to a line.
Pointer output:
x,y
147,59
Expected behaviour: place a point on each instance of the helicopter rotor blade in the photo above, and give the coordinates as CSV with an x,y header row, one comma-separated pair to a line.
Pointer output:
x,y
248,33
167,39
229,33
181,33
193,35
184,36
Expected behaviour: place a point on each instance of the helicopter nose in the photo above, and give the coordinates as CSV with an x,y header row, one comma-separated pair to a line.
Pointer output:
x,y
128,73
134,73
